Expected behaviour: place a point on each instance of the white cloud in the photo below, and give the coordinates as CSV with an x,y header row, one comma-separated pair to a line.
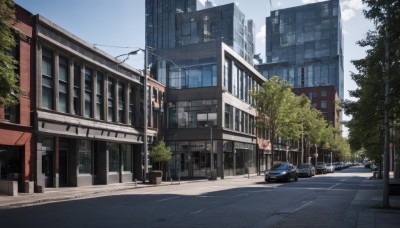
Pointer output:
x,y
345,32
353,4
260,35
347,14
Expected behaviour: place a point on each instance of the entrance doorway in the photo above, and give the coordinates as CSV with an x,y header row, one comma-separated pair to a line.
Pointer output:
x,y
63,162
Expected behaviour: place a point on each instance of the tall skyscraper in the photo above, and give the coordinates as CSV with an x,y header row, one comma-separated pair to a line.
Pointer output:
x,y
304,45
177,23
205,60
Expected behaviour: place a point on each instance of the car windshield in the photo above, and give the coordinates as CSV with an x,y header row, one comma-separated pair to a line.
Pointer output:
x,y
280,167
302,166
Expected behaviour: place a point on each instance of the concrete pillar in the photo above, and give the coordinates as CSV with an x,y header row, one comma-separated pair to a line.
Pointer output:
x,y
127,101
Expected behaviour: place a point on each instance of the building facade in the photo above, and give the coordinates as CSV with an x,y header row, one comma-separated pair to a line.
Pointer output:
x,y
175,23
88,122
304,46
16,124
209,115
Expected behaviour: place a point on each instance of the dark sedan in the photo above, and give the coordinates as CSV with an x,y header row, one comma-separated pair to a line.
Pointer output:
x,y
282,172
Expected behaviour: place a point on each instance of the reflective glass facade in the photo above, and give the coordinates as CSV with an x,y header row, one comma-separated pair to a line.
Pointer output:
x,y
304,45
176,23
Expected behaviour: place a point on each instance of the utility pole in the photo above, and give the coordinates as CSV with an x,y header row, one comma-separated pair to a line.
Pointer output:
x,y
145,113
385,202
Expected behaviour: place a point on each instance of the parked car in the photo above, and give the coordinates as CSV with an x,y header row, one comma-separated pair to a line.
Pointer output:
x,y
282,172
321,167
337,166
306,170
330,168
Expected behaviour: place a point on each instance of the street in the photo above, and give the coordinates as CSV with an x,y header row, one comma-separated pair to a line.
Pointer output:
x,y
323,200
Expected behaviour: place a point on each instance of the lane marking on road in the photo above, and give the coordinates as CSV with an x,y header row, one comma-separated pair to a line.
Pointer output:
x,y
196,212
243,194
334,186
171,198
293,210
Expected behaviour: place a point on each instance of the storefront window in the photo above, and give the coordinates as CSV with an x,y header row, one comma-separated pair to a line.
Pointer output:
x,y
126,158
113,157
85,156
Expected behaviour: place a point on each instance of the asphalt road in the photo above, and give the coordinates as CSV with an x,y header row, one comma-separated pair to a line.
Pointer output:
x,y
323,200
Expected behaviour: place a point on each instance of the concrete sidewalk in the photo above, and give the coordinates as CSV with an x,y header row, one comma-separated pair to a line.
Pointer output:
x,y
67,193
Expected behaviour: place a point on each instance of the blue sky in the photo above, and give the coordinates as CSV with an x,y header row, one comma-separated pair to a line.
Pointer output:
x,y
117,26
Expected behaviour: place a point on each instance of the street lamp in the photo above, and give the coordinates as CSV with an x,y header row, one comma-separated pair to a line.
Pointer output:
x,y
145,111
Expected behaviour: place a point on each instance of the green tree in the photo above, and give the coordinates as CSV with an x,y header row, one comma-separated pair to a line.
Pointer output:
x,y
9,79
275,103
367,107
160,153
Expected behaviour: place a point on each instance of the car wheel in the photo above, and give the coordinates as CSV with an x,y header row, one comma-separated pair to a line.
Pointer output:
x,y
296,177
288,178
267,179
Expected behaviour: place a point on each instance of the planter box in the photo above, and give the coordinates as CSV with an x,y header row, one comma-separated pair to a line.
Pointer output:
x,y
155,177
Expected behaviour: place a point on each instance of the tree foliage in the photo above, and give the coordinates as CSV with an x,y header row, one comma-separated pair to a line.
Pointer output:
x,y
275,103
368,107
160,153
288,116
9,79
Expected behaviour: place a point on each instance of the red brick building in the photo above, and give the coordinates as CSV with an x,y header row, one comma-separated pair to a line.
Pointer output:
x,y
324,99
16,141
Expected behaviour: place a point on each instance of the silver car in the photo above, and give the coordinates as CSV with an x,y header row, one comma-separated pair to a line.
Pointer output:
x,y
306,170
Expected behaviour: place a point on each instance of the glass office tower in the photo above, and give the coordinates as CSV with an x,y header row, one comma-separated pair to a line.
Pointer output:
x,y
176,23
304,45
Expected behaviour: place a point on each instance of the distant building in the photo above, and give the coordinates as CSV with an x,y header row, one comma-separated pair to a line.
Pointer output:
x,y
304,46
326,100
176,23
205,59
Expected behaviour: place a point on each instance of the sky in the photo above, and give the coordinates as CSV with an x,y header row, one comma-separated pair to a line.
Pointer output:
x,y
117,26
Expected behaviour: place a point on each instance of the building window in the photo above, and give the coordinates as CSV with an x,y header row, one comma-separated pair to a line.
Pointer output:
x,y
85,156
192,114
113,157
228,116
77,90
47,79
237,119
131,106
323,93
11,113
193,77
63,85
323,104
121,102
111,98
88,92
99,97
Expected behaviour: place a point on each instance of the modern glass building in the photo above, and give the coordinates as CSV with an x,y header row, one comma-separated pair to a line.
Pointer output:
x,y
207,68
176,23
304,45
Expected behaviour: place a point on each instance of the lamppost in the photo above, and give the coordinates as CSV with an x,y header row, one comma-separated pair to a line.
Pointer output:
x,y
145,107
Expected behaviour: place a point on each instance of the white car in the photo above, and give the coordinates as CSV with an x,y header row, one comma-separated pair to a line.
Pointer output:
x,y
330,168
